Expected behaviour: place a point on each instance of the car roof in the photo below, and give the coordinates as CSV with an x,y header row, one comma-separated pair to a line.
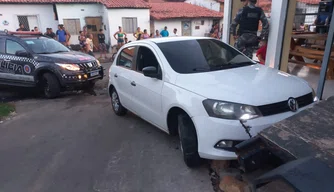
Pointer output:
x,y
173,39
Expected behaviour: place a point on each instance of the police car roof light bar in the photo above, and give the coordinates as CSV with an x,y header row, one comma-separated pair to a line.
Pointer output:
x,y
24,33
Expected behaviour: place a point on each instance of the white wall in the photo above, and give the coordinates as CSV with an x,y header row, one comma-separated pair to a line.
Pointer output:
x,y
210,4
115,19
44,13
177,23
106,23
79,11
171,24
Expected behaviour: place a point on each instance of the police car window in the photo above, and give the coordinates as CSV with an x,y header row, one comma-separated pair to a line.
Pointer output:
x,y
125,59
45,45
12,47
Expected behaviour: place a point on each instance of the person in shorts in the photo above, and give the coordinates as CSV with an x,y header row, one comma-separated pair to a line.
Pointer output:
x,y
90,45
82,41
102,44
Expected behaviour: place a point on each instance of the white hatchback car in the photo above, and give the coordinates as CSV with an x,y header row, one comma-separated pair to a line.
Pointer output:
x,y
204,90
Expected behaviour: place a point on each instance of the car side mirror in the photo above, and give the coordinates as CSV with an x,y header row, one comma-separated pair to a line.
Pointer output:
x,y
150,72
22,53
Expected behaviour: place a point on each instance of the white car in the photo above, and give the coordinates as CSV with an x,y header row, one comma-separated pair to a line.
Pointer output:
x,y
204,90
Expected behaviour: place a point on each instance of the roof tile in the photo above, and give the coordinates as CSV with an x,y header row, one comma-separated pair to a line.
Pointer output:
x,y
161,11
108,3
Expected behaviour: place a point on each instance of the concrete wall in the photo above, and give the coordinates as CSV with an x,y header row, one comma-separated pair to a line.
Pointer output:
x,y
115,19
80,11
210,4
177,23
171,24
44,13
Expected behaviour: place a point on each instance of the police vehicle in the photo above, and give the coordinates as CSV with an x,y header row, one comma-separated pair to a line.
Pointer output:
x,y
30,59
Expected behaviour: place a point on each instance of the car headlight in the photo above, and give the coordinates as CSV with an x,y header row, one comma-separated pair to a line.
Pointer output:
x,y
98,63
233,111
315,98
71,67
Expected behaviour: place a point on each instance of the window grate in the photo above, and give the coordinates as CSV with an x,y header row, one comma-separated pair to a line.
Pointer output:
x,y
24,20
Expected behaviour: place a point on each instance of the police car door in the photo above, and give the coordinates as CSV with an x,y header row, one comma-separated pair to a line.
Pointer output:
x,y
15,67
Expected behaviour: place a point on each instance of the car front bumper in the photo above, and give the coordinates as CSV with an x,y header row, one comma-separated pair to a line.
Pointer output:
x,y
211,130
81,78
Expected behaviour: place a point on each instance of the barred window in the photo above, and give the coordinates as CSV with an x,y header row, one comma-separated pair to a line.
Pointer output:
x,y
129,24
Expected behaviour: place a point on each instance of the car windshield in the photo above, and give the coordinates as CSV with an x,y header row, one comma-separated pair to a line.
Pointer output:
x,y
202,55
43,45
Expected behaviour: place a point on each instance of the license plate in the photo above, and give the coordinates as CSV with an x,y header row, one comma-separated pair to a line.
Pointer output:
x,y
94,73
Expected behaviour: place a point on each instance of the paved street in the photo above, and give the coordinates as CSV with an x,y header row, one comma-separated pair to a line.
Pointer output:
x,y
76,143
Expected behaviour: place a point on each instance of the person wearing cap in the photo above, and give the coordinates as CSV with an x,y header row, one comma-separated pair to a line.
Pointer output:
x,y
262,52
164,33
248,19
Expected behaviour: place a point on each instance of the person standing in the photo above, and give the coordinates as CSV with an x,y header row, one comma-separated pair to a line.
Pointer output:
x,y
68,37
174,34
120,37
157,34
50,34
262,52
137,33
36,29
145,34
90,45
248,19
61,35
164,33
102,44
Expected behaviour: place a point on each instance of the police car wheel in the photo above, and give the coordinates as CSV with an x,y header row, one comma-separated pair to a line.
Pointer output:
x,y
50,85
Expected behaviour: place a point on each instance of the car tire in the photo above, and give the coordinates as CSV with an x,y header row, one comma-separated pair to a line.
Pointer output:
x,y
50,86
116,103
188,141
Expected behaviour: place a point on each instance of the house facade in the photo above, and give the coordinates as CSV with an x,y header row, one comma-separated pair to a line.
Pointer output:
x,y
216,5
75,14
188,19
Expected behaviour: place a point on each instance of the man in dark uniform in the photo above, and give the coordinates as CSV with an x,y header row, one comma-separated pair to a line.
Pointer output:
x,y
248,19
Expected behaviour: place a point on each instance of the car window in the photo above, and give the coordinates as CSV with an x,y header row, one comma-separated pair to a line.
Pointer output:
x,y
2,45
202,55
12,47
146,58
125,59
43,45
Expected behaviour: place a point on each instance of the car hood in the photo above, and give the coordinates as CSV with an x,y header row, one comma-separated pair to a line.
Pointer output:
x,y
253,85
64,57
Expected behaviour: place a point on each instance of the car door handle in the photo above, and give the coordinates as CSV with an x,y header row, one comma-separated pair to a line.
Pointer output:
x,y
133,83
115,75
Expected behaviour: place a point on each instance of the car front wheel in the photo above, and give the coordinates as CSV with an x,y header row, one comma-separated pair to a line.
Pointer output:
x,y
116,103
50,86
188,141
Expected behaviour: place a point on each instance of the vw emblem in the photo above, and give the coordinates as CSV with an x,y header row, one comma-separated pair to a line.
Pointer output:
x,y
90,64
293,104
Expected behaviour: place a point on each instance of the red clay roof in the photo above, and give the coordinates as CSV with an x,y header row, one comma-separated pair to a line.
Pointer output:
x,y
162,11
126,4
135,4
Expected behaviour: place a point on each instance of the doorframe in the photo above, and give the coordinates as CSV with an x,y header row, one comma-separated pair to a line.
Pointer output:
x,y
189,26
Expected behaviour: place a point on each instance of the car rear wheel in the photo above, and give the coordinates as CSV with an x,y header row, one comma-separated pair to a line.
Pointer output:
x,y
116,103
188,141
50,86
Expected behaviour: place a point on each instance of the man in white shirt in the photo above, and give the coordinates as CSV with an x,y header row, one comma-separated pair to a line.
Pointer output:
x,y
174,34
